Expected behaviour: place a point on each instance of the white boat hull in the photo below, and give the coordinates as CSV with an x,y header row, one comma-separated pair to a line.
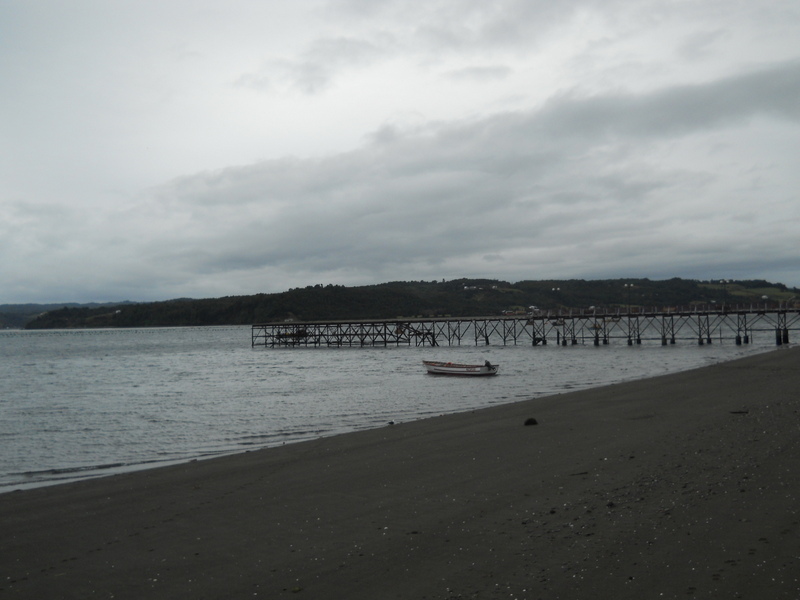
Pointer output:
x,y
447,368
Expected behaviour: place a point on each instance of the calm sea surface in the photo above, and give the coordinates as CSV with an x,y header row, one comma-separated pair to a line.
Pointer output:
x,y
78,404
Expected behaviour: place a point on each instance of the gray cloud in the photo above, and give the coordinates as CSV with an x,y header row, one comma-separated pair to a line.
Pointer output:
x,y
682,109
530,183
316,69
484,73
365,142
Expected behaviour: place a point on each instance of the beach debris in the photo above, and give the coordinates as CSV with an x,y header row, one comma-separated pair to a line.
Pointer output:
x,y
531,421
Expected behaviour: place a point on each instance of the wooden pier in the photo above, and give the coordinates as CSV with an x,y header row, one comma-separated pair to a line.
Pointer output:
x,y
595,326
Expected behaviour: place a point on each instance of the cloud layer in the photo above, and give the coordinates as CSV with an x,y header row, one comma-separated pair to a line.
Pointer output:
x,y
362,142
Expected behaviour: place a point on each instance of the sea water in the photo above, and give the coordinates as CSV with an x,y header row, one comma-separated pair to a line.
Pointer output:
x,y
84,403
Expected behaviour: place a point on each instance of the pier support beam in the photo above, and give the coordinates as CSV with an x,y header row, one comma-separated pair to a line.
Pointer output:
x,y
667,329
782,331
703,329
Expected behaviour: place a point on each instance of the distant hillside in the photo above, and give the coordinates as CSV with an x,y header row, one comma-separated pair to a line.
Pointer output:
x,y
16,316
462,297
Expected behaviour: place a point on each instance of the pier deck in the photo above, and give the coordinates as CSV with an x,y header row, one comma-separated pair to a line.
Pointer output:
x,y
596,326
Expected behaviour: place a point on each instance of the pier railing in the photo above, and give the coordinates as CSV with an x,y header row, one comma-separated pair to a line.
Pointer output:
x,y
598,326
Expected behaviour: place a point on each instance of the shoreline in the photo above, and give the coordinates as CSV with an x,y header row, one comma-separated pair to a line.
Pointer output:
x,y
120,463
670,486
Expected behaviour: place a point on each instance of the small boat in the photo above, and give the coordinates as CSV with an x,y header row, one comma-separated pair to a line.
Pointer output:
x,y
447,368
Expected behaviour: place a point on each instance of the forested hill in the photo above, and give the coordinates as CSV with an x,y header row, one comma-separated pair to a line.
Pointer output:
x,y
462,297
16,316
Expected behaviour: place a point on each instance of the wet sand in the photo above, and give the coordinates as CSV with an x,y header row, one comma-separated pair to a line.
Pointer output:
x,y
673,487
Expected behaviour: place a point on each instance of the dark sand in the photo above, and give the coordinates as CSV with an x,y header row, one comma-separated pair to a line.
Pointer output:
x,y
679,486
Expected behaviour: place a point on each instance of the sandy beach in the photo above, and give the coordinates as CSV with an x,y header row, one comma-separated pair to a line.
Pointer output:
x,y
679,486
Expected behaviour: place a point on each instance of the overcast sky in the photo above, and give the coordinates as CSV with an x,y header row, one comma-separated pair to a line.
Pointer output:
x,y
199,148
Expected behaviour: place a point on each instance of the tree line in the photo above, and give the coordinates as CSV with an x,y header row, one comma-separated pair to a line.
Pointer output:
x,y
407,299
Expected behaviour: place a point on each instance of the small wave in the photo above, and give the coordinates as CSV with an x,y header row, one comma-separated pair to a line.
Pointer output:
x,y
69,470
267,438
